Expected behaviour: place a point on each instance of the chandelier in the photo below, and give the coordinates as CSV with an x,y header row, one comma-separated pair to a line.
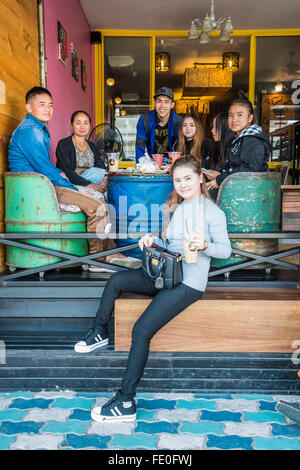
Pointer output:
x,y
209,25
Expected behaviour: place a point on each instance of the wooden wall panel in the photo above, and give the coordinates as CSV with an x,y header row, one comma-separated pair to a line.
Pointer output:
x,y
19,71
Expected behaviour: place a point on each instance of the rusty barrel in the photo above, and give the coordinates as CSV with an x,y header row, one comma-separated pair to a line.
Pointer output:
x,y
251,203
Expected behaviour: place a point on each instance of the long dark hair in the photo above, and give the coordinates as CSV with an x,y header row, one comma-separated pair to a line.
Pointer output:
x,y
195,151
174,199
226,135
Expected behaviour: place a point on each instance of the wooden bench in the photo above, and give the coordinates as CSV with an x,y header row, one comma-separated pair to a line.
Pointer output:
x,y
225,320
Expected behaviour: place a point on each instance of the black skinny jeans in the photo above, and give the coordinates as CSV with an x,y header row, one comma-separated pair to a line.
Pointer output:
x,y
163,308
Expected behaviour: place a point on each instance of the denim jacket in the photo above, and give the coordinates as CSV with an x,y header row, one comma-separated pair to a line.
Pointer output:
x,y
29,151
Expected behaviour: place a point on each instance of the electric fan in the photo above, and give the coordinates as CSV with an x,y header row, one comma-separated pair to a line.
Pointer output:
x,y
107,139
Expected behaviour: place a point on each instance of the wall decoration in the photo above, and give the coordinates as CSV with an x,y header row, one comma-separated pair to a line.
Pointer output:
x,y
83,76
75,63
276,111
62,44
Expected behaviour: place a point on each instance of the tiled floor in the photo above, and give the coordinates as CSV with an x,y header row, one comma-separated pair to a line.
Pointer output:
x,y
61,420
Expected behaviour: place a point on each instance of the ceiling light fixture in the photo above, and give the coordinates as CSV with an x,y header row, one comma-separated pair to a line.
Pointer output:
x,y
110,82
210,25
279,87
162,62
231,61
118,100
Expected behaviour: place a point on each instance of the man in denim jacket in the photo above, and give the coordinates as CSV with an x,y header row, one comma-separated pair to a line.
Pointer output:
x,y
29,151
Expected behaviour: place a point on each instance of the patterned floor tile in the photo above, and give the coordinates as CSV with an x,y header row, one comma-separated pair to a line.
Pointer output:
x,y
72,427
182,442
267,405
248,429
156,404
176,416
24,404
80,415
59,394
174,396
82,403
146,395
157,428
199,429
218,416
288,430
264,417
254,396
145,415
290,398
237,405
12,415
276,443
141,441
229,442
18,394
197,404
52,414
109,429
10,428
85,442
6,441
35,442
4,403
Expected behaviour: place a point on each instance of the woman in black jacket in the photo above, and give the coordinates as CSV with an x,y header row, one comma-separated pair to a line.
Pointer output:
x,y
78,158
250,148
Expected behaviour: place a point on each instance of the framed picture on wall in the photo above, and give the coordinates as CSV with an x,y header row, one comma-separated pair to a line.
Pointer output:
x,y
62,44
75,63
83,76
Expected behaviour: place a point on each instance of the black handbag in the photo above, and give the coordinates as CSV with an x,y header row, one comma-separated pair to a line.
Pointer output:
x,y
163,266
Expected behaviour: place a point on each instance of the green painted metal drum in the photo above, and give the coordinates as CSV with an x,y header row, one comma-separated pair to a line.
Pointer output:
x,y
31,206
251,203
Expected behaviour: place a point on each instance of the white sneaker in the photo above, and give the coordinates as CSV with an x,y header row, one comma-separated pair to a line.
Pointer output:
x,y
95,339
98,269
115,411
128,262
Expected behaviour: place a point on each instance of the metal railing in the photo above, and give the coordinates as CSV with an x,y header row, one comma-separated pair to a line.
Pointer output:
x,y
15,240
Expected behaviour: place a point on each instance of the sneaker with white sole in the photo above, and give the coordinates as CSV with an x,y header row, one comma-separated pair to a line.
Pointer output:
x,y
115,410
96,338
98,269
128,262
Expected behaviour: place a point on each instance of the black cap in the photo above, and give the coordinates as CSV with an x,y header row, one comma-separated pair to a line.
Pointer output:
x,y
164,91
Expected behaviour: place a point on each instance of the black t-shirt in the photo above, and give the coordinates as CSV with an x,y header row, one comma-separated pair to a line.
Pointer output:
x,y
161,136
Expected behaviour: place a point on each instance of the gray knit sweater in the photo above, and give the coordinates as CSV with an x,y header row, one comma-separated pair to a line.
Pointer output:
x,y
188,216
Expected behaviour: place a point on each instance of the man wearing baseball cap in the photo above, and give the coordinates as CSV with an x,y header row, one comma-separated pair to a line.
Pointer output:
x,y
157,130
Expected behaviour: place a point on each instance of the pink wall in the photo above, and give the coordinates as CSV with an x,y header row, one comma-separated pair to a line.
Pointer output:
x,y
67,93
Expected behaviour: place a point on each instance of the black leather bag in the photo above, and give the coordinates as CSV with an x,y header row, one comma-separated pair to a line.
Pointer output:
x,y
163,266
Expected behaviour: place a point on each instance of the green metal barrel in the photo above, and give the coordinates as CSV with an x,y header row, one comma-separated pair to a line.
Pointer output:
x,y
251,203
31,206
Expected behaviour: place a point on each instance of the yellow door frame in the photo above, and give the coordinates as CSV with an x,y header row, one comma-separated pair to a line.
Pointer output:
x,y
253,34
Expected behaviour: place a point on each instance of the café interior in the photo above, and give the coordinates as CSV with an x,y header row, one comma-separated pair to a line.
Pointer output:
x,y
242,51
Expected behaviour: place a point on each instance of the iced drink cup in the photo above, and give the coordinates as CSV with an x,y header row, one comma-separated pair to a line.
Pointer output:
x,y
190,252
173,157
113,161
158,158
